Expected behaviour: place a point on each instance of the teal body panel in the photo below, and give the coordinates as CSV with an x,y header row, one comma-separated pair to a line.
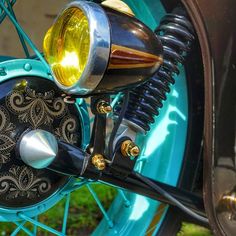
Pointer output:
x,y
161,158
164,147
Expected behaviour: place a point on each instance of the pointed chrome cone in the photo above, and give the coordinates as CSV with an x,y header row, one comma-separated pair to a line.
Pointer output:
x,y
38,148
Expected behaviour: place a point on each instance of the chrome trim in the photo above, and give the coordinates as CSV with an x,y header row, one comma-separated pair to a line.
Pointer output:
x,y
38,148
100,42
133,126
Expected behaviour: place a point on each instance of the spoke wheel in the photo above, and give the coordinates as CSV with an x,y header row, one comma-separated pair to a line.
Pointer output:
x,y
168,154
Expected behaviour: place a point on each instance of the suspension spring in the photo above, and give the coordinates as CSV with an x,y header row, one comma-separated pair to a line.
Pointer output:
x,y
176,34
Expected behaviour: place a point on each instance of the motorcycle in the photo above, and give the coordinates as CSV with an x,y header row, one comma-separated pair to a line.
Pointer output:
x,y
157,80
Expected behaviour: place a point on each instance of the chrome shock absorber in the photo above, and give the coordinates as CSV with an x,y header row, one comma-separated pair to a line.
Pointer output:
x,y
176,34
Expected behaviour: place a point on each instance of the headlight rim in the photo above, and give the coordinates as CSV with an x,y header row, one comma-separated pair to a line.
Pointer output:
x,y
99,52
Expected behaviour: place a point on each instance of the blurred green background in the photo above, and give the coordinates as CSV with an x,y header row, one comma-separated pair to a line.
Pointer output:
x,y
84,215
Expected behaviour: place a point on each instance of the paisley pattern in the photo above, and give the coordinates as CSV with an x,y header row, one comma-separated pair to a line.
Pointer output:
x,y
36,105
67,130
21,182
6,142
35,108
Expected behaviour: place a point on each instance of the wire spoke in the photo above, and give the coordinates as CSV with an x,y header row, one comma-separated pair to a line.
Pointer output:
x,y
18,32
116,99
110,223
39,224
66,211
114,102
17,229
24,35
21,227
35,226
7,10
2,13
126,200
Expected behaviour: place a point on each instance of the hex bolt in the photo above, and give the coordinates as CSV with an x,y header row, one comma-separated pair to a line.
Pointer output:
x,y
129,149
103,107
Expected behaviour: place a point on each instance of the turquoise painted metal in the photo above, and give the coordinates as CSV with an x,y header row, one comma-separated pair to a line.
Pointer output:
x,y
163,151
2,12
27,67
161,158
11,68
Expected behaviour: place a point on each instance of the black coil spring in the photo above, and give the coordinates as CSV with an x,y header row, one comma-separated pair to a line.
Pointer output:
x,y
176,35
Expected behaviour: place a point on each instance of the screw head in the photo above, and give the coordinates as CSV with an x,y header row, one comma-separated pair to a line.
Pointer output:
x,y
103,107
27,67
3,71
21,85
99,161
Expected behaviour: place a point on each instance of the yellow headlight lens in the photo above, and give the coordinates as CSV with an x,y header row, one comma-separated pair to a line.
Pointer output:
x,y
66,46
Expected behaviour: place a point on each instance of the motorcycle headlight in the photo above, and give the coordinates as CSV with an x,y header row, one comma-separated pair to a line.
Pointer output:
x,y
95,49
70,44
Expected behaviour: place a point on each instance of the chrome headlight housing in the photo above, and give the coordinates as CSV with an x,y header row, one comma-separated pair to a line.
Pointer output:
x,y
96,49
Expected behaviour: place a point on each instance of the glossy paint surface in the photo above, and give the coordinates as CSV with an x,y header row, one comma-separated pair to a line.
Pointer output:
x,y
163,151
136,53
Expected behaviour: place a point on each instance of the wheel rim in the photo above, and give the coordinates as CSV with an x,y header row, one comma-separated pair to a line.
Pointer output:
x,y
22,180
125,216
165,147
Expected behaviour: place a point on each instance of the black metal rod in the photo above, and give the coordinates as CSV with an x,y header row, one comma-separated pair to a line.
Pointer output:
x,y
133,184
73,161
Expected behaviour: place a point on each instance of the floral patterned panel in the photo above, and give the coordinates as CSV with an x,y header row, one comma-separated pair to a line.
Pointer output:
x,y
36,105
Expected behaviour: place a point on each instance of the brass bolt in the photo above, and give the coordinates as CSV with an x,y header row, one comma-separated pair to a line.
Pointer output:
x,y
21,85
129,149
99,161
228,201
103,107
